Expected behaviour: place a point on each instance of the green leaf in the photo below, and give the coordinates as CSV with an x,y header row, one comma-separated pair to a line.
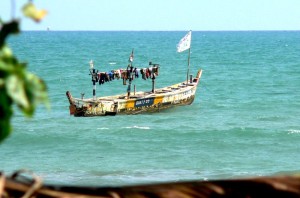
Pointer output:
x,y
16,90
36,91
5,52
7,29
5,114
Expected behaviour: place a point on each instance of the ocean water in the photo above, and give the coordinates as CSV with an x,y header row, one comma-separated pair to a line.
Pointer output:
x,y
244,122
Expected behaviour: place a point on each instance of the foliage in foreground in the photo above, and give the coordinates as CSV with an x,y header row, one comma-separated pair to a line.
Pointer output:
x,y
17,85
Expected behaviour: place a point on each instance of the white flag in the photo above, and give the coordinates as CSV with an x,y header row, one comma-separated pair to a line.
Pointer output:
x,y
185,42
131,57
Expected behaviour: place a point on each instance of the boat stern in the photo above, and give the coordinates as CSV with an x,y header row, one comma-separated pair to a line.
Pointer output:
x,y
72,106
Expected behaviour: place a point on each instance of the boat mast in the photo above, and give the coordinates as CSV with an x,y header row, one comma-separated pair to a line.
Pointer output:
x,y
94,78
129,69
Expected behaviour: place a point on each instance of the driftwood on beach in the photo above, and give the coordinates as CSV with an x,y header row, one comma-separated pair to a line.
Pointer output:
x,y
277,186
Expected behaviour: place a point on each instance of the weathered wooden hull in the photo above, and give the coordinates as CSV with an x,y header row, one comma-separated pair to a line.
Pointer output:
x,y
142,102
277,186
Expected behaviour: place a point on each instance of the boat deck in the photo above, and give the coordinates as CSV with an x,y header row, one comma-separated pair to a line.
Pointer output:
x,y
174,89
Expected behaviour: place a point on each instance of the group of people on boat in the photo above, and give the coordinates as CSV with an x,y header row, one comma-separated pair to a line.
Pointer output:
x,y
127,74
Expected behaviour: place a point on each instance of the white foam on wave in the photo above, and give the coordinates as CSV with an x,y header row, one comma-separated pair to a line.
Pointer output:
x,y
103,128
293,131
112,63
137,127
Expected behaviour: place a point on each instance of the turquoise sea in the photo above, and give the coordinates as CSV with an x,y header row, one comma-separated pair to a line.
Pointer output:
x,y
244,122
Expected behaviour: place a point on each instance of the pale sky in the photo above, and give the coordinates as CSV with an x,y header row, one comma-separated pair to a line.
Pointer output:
x,y
161,15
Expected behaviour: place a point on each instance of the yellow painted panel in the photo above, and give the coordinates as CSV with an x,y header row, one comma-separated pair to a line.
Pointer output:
x,y
130,104
158,100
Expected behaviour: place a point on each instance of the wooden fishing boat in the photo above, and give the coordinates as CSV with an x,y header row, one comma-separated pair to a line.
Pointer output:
x,y
138,102
134,102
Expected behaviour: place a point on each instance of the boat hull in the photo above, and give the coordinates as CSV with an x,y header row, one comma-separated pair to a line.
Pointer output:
x,y
142,102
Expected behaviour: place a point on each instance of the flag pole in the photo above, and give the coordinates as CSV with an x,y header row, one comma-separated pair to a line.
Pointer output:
x,y
184,44
189,57
188,68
